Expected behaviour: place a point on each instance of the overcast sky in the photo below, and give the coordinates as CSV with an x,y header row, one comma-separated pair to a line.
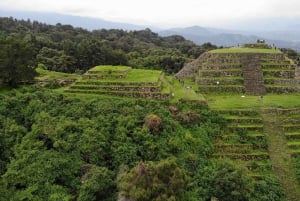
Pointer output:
x,y
164,13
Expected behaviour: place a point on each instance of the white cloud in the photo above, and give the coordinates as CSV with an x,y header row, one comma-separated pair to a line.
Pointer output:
x,y
163,12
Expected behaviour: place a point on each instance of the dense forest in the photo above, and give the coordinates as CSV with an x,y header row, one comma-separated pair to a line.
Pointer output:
x,y
55,147
68,49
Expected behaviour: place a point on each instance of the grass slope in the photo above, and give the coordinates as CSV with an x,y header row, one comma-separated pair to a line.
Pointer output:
x,y
110,68
46,74
245,50
253,102
135,75
280,156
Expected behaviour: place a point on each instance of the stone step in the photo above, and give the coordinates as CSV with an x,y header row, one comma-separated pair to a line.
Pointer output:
x,y
292,136
244,157
244,120
117,88
279,81
123,93
279,73
276,89
220,81
278,66
120,83
221,73
221,89
253,76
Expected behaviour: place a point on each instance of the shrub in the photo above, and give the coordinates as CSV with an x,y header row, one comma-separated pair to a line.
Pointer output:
x,y
154,123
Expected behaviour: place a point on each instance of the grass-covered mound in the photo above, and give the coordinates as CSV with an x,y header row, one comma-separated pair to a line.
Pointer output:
x,y
122,81
54,79
46,74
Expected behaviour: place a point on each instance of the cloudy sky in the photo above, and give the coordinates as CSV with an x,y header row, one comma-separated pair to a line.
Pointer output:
x,y
164,13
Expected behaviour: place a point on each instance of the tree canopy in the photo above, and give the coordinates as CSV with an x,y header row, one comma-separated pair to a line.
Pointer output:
x,y
17,61
59,147
68,49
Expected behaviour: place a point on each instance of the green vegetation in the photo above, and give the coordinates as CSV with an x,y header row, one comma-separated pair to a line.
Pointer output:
x,y
185,92
137,83
110,68
94,145
252,102
67,49
16,61
245,50
134,75
61,147
281,156
148,182
51,75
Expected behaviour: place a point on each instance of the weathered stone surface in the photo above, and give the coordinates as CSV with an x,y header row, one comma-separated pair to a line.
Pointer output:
x,y
149,95
118,88
253,71
253,76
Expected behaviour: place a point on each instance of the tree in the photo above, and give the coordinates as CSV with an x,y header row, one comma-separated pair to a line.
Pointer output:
x,y
16,61
231,184
154,123
163,181
97,182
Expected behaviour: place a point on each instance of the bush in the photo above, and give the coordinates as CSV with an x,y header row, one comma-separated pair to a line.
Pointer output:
x,y
154,123
149,181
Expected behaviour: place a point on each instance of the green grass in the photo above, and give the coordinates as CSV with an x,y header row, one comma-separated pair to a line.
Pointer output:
x,y
185,91
134,75
45,74
110,68
220,102
244,50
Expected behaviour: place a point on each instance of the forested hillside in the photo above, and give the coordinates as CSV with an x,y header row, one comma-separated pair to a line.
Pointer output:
x,y
68,49
55,147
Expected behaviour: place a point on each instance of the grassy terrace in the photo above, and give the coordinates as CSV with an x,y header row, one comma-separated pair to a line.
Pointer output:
x,y
110,68
234,101
184,91
134,75
45,74
245,50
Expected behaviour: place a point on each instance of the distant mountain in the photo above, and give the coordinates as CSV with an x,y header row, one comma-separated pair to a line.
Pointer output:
x,y
283,32
76,21
202,35
222,37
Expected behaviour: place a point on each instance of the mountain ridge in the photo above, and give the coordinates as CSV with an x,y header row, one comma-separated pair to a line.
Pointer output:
x,y
222,37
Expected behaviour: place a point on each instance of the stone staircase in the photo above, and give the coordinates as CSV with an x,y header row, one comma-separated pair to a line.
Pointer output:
x,y
253,75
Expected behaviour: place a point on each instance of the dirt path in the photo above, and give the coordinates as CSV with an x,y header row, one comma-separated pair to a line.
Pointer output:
x,y
280,156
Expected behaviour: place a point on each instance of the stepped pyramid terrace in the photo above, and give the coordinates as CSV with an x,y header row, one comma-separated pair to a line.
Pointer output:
x,y
253,69
122,81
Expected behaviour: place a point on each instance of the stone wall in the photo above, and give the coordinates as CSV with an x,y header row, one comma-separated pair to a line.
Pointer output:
x,y
118,88
190,69
149,95
297,72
